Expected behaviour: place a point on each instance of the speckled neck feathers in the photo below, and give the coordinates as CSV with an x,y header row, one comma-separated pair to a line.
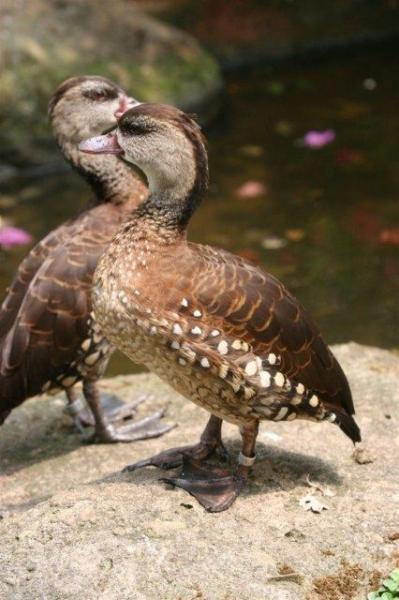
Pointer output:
x,y
110,178
174,160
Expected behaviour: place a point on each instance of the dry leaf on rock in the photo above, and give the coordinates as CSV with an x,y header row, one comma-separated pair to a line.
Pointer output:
x,y
311,503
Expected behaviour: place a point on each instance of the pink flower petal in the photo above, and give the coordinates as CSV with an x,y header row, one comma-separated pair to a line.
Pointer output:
x,y
318,139
251,189
13,236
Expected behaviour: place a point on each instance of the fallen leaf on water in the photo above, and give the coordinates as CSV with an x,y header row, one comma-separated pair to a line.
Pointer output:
x,y
272,242
251,189
364,222
13,236
369,84
252,150
389,236
317,139
294,235
346,156
311,503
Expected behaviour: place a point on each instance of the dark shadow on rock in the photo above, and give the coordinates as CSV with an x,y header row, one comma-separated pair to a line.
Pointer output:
x,y
276,469
54,439
35,435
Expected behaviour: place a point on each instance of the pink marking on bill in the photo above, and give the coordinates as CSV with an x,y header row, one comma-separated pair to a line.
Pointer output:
x,y
101,144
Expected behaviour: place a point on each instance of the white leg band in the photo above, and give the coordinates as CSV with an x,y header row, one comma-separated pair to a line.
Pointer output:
x,y
246,461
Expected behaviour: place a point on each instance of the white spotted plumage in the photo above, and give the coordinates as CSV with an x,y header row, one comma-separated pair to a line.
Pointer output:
x,y
223,347
251,368
252,377
314,401
281,414
92,358
85,345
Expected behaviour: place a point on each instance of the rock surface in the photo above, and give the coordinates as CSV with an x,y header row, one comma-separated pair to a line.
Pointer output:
x,y
73,526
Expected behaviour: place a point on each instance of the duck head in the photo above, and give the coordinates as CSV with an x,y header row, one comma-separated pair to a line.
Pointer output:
x,y
86,106
165,144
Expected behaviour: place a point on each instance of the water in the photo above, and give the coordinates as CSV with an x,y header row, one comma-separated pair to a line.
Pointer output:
x,y
333,211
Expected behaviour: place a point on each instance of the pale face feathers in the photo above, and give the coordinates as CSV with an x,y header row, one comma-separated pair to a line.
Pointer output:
x,y
164,143
86,106
162,151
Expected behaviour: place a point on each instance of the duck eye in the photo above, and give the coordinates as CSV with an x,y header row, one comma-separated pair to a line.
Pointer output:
x,y
100,95
137,129
134,128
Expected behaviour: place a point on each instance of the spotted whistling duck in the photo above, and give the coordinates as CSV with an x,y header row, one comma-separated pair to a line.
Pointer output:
x,y
48,338
221,331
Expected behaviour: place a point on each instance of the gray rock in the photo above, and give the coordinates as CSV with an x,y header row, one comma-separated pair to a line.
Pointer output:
x,y
75,527
42,43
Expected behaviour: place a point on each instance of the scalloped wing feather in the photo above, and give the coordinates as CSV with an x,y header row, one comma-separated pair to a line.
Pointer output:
x,y
251,305
45,315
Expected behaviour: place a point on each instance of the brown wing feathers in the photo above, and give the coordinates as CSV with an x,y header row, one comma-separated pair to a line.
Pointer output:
x,y
250,305
272,320
44,317
25,273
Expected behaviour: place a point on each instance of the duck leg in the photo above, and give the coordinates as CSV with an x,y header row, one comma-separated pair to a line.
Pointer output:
x,y
106,432
216,489
210,441
77,410
114,408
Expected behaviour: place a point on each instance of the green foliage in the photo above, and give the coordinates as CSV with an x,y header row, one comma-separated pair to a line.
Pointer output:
x,y
389,589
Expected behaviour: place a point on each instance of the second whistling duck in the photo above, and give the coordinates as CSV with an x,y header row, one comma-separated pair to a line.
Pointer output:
x,y
48,338
224,333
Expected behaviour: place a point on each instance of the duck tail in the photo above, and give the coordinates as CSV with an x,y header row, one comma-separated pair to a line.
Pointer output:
x,y
349,426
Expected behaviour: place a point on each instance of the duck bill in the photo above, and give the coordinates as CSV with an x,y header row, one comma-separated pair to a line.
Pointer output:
x,y
101,144
125,103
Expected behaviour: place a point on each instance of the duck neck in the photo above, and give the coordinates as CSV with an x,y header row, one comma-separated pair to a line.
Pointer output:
x,y
110,178
166,212
174,196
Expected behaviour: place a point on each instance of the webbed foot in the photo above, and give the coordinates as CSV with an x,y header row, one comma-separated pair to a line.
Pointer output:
x,y
149,427
215,488
210,442
112,407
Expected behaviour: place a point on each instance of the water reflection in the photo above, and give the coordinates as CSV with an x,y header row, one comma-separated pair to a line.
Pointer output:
x,y
325,220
